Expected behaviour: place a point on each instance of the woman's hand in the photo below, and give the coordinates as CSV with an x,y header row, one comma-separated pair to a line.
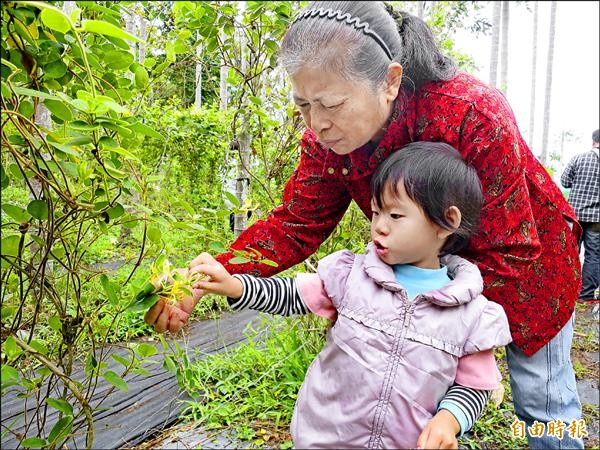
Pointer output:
x,y
218,281
168,316
440,432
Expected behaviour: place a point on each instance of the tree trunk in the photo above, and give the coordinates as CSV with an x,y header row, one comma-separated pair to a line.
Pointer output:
x,y
548,93
243,176
533,74
198,89
143,37
420,9
223,86
495,42
129,17
504,55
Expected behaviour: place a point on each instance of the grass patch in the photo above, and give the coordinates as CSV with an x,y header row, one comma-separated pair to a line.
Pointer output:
x,y
252,389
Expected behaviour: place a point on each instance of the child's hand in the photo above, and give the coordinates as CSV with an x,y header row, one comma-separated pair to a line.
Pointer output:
x,y
440,432
219,281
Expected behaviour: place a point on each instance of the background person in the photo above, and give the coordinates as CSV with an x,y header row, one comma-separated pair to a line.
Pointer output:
x,y
582,175
367,81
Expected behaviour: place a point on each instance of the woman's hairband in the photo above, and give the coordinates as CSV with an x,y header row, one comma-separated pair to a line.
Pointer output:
x,y
345,17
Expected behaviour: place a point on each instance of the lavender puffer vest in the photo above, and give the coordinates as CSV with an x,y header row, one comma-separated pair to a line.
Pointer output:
x,y
388,361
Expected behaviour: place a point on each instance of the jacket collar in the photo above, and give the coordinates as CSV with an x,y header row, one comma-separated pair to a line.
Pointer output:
x,y
465,284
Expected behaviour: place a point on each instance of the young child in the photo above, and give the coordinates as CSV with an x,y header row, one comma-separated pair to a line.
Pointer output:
x,y
411,326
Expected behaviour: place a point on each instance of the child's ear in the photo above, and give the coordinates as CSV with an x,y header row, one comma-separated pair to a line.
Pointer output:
x,y
453,217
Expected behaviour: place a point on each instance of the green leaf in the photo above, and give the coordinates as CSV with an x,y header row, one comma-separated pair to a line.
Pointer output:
x,y
107,29
154,234
147,290
10,245
8,374
38,209
126,153
4,180
33,93
56,69
44,372
238,260
125,132
108,142
16,212
142,371
59,109
39,346
15,171
217,247
109,288
123,361
7,312
34,442
141,77
115,380
55,323
169,364
61,429
116,211
185,205
143,303
114,172
268,262
65,148
232,198
255,100
118,59
69,168
55,20
61,405
26,108
80,125
189,226
80,140
6,92
145,350
11,348
146,130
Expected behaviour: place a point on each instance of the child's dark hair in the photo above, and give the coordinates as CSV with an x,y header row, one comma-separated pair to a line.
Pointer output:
x,y
435,176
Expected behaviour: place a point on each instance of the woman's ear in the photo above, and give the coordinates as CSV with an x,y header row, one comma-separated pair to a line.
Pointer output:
x,y
453,217
393,80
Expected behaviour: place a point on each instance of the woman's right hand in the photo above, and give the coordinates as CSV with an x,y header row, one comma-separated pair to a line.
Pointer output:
x,y
167,316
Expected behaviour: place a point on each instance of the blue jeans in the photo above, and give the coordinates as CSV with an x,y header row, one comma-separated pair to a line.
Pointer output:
x,y
591,259
543,388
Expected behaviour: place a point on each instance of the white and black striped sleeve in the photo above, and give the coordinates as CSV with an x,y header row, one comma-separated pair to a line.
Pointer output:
x,y
465,404
274,295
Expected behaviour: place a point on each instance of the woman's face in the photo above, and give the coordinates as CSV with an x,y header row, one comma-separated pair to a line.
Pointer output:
x,y
344,114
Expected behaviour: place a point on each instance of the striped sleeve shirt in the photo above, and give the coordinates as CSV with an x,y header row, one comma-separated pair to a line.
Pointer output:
x,y
278,295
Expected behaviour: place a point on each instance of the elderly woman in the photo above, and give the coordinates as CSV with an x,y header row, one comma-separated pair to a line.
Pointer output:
x,y
367,81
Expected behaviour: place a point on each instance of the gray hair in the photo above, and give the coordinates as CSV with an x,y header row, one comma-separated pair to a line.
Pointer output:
x,y
355,39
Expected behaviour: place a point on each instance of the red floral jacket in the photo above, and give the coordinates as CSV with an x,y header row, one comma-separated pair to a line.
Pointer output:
x,y
525,248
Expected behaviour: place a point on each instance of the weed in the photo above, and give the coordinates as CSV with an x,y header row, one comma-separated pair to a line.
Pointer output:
x,y
580,370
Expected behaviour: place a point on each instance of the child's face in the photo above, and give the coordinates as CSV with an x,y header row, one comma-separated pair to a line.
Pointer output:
x,y
403,234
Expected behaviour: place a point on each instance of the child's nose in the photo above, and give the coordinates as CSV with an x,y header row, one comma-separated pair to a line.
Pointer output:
x,y
381,227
